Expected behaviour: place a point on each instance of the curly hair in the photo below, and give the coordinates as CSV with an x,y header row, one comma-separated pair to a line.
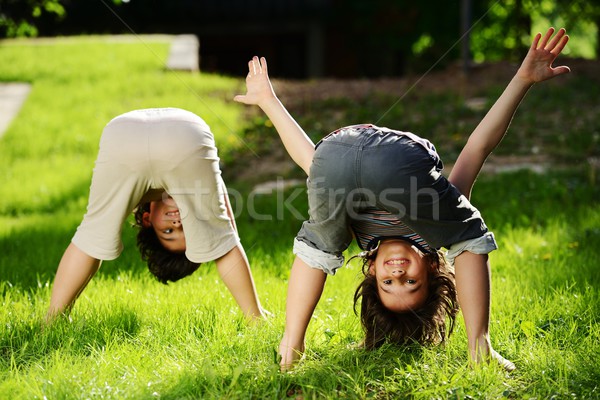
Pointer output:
x,y
431,324
165,265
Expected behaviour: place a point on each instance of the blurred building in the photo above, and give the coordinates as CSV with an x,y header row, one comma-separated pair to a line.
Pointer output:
x,y
291,34
300,38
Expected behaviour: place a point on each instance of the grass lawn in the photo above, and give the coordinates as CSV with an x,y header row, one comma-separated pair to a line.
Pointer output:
x,y
132,337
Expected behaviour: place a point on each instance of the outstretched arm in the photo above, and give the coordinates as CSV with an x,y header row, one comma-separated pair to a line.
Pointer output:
x,y
536,67
472,270
260,92
305,283
75,270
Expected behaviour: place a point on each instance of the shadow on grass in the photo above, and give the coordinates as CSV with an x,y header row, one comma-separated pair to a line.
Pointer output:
x,y
526,199
28,342
73,199
30,257
351,373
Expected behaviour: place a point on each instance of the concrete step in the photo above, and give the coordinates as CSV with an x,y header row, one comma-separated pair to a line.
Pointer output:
x,y
183,55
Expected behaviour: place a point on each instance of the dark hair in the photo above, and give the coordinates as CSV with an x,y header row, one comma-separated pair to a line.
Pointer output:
x,y
431,324
165,265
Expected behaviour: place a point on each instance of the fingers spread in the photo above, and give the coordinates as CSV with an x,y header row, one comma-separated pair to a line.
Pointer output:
x,y
561,45
547,37
536,41
255,66
556,39
239,98
263,64
563,69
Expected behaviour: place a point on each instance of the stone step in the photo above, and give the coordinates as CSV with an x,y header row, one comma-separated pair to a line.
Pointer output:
x,y
183,55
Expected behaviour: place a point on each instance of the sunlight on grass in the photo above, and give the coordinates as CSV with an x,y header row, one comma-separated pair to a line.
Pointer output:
x,y
77,88
132,337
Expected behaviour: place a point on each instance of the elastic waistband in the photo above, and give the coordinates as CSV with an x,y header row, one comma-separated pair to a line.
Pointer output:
x,y
366,135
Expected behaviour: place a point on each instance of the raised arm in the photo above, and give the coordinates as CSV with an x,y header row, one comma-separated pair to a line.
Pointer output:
x,y
536,67
472,270
260,92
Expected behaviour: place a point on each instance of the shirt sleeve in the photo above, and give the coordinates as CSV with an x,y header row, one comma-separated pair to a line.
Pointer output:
x,y
328,263
481,245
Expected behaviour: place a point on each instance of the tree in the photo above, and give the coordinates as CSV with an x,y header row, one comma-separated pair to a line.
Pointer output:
x,y
403,34
577,16
505,27
18,17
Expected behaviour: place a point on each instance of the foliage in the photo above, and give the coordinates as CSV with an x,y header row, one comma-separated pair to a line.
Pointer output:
x,y
405,35
418,36
505,29
18,17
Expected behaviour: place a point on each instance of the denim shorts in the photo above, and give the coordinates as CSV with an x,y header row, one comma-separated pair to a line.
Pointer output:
x,y
364,166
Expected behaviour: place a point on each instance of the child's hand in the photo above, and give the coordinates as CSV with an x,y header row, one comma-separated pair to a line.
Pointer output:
x,y
258,85
507,365
537,65
484,353
290,353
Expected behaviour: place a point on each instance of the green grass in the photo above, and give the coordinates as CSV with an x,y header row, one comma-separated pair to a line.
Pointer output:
x,y
132,337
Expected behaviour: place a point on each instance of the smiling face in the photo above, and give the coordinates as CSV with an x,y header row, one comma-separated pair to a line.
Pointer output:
x,y
164,218
402,275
